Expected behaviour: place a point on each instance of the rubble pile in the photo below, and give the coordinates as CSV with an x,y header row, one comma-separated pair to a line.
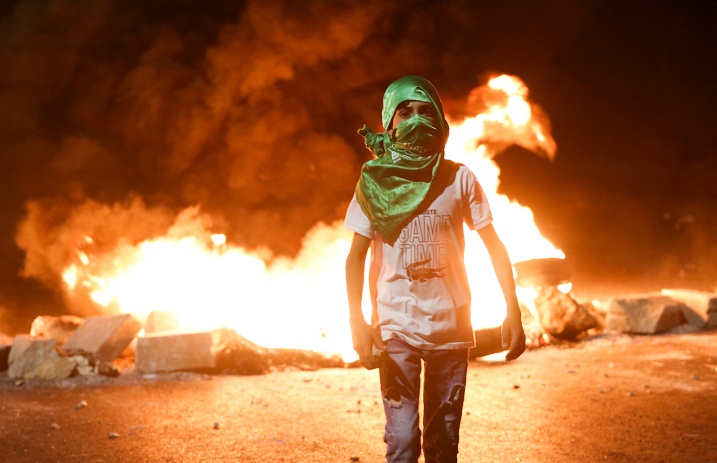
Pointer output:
x,y
60,347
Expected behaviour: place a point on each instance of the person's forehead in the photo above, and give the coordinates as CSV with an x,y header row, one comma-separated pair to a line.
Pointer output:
x,y
414,104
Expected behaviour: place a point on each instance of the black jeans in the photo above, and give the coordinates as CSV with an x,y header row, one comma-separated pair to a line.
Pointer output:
x,y
444,388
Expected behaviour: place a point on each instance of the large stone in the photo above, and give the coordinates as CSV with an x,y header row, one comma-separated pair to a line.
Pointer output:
x,y
58,328
562,316
19,344
174,351
103,338
235,354
645,314
703,303
39,359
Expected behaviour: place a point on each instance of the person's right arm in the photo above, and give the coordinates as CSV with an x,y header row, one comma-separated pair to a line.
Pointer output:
x,y
362,334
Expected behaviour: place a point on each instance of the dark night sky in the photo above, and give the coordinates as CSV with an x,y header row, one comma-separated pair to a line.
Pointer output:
x,y
250,110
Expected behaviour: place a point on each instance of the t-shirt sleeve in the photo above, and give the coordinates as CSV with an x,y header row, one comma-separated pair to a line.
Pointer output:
x,y
476,209
357,221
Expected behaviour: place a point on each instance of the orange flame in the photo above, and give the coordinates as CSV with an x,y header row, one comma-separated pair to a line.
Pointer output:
x,y
301,303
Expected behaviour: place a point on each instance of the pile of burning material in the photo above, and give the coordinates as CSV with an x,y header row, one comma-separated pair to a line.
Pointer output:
x,y
60,347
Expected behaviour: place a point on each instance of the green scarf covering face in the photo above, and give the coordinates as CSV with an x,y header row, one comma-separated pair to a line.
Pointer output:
x,y
394,185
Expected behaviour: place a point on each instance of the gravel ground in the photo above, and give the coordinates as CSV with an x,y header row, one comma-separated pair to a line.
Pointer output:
x,y
611,398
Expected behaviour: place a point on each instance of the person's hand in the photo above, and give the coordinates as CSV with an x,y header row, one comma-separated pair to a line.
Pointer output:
x,y
513,337
364,339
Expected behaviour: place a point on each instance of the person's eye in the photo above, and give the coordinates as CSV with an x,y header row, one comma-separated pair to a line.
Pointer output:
x,y
404,114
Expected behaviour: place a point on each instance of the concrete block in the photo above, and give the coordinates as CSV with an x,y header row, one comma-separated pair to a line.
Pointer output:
x,y
174,351
644,314
703,303
103,338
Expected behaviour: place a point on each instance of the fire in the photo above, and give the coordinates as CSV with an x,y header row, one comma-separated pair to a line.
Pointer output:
x,y
301,303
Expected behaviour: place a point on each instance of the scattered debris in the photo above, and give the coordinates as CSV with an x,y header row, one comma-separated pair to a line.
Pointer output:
x,y
113,435
81,404
59,347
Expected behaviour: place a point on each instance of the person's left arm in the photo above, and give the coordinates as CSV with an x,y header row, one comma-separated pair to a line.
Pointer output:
x,y
512,329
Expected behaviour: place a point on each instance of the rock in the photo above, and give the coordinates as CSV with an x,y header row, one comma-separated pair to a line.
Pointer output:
x,y
560,315
644,314
703,305
174,351
84,367
236,354
103,338
58,328
19,345
39,359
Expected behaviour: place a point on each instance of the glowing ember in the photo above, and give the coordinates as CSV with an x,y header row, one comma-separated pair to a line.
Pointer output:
x,y
301,303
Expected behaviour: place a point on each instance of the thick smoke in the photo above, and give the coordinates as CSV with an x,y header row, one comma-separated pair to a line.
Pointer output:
x,y
124,114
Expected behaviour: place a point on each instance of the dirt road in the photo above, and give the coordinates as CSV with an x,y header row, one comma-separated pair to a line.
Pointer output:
x,y
613,398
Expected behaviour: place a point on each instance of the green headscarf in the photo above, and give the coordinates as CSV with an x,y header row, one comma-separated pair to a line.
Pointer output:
x,y
394,185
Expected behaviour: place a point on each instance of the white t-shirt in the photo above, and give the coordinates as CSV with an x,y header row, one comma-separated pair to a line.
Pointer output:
x,y
423,293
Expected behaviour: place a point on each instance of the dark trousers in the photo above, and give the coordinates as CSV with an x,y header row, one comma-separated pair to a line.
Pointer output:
x,y
443,392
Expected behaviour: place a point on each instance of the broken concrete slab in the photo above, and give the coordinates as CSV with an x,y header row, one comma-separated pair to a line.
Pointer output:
x,y
562,316
103,338
645,314
174,351
39,359
58,328
703,303
159,320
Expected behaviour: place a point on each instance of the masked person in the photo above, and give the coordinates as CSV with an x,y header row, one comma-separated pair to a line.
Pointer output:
x,y
409,208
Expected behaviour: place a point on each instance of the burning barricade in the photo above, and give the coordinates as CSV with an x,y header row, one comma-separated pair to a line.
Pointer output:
x,y
60,347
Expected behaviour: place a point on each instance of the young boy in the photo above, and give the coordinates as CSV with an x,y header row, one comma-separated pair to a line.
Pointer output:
x,y
411,203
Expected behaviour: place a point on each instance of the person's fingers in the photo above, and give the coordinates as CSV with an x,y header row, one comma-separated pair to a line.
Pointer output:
x,y
517,347
505,336
376,338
